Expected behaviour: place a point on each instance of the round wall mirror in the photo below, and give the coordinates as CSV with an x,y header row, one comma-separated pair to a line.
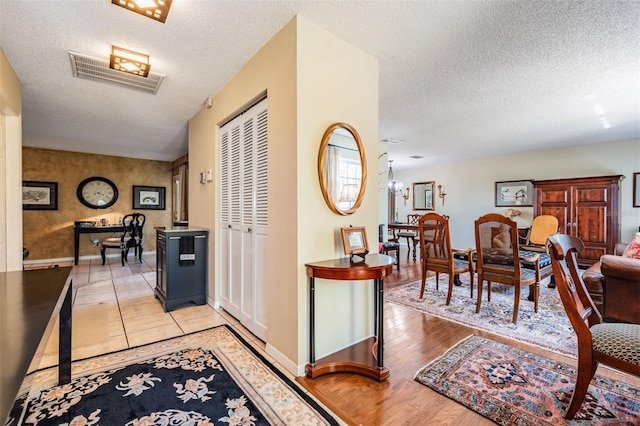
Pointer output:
x,y
342,168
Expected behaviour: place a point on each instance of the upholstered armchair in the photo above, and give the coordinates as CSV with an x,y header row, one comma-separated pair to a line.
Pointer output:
x,y
614,285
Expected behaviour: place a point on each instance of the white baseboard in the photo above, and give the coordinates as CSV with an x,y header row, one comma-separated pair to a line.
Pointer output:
x,y
286,363
70,259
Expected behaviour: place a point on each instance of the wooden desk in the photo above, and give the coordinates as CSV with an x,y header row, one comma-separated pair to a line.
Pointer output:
x,y
29,302
359,358
77,230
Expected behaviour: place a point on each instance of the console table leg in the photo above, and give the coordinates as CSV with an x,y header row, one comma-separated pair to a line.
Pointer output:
x,y
312,320
64,348
76,246
380,322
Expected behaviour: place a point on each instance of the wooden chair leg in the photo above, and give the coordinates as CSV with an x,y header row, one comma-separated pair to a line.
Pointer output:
x,y
437,281
104,258
471,282
450,292
479,300
586,370
123,255
516,304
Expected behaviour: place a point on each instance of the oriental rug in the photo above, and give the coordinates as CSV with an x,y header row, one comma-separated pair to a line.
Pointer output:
x,y
514,387
548,329
205,378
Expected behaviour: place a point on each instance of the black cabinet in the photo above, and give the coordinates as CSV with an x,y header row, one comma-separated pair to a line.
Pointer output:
x,y
181,269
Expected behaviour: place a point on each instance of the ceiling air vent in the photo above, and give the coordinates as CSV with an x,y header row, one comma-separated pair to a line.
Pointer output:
x,y
94,68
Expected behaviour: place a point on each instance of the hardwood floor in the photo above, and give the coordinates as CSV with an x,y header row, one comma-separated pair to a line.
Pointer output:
x,y
412,339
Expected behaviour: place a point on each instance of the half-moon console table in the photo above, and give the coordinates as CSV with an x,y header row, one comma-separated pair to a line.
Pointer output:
x,y
366,357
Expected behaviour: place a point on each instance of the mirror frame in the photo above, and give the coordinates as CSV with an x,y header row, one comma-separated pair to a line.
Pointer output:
x,y
433,195
324,185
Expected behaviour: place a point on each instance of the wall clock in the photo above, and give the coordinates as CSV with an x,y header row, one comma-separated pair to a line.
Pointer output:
x,y
97,192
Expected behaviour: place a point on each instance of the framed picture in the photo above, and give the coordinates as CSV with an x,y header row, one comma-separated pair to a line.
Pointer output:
x,y
149,197
514,193
354,240
636,189
39,195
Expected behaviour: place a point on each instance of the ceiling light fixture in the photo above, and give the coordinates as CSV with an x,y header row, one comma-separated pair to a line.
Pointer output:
x,y
129,61
154,9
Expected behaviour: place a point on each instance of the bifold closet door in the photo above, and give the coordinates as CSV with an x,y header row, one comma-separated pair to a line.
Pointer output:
x,y
243,217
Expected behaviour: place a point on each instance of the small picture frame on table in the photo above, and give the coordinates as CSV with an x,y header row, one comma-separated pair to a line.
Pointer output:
x,y
39,195
149,197
354,241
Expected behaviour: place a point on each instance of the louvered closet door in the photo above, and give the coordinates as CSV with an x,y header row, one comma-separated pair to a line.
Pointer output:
x,y
243,217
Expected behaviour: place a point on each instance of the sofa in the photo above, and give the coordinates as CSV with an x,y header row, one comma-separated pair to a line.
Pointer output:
x,y
614,286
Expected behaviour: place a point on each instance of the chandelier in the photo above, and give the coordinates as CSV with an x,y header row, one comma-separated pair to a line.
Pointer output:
x,y
394,187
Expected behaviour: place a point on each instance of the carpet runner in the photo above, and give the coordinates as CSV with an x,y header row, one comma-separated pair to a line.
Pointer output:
x,y
548,329
514,387
205,378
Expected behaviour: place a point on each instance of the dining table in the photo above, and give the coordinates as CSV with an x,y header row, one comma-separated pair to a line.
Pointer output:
x,y
404,226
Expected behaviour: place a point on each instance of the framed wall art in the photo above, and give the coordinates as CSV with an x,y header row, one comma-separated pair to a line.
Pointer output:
x,y
514,193
39,195
149,197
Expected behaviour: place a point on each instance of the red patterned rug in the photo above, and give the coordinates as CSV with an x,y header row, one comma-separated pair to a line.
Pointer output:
x,y
513,387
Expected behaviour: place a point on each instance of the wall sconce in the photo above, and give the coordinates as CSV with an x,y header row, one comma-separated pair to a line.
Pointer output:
x,y
441,193
406,196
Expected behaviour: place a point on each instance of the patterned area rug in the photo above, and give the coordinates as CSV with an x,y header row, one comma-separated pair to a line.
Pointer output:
x,y
513,387
206,378
549,328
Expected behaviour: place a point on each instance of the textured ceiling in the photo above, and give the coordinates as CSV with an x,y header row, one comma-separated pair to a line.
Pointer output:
x,y
458,79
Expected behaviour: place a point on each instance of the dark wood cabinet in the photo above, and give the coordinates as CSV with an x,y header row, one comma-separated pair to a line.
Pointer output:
x,y
586,208
181,269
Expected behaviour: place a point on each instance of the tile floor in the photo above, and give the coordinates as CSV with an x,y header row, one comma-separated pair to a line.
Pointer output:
x,y
114,308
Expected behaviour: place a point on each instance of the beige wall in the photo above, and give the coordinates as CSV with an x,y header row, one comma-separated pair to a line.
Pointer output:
x,y
471,184
49,234
10,168
306,93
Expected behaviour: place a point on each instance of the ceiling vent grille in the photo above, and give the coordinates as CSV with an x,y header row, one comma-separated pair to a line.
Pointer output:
x,y
87,67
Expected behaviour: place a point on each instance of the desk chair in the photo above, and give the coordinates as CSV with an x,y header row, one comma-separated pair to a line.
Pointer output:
x,y
131,236
541,227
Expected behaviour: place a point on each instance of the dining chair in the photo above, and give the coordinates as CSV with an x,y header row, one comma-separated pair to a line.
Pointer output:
x,y
436,253
409,235
498,260
131,237
387,247
614,344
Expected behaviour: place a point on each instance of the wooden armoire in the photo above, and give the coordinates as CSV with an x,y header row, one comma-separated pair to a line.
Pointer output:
x,y
586,208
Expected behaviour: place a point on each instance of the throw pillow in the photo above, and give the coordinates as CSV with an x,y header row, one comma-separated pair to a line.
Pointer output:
x,y
633,249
